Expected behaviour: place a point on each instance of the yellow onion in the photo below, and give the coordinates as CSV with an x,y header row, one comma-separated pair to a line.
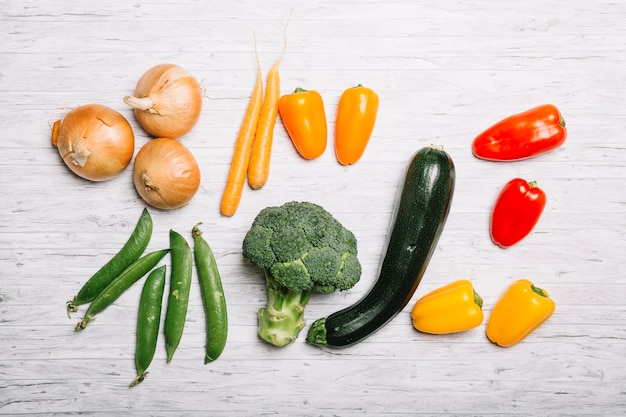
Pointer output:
x,y
167,101
95,141
166,174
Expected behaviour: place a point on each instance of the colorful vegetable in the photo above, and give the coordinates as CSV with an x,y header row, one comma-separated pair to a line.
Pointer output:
x,y
167,101
418,222
243,145
516,212
521,309
259,165
356,115
96,142
178,298
302,113
130,252
302,249
120,284
166,174
148,322
524,135
212,294
455,307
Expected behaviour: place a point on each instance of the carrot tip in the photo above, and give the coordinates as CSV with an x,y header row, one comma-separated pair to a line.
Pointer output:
x,y
229,212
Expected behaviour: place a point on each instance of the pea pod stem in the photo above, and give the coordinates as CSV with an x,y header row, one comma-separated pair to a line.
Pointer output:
x,y
178,297
120,284
148,322
129,253
212,294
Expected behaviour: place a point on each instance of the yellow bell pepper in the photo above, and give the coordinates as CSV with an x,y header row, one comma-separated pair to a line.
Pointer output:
x,y
521,309
452,308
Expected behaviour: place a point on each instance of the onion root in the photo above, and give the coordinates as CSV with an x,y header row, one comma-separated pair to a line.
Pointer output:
x,y
79,155
147,182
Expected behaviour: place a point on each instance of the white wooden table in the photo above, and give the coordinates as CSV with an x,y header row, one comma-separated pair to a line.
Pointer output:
x,y
444,72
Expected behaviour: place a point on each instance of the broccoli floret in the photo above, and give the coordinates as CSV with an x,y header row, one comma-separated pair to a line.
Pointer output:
x,y
303,249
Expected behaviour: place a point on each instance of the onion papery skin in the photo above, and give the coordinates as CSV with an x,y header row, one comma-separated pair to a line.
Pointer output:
x,y
96,142
166,174
167,101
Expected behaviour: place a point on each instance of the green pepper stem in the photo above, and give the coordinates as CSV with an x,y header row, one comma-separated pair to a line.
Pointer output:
x,y
478,299
538,291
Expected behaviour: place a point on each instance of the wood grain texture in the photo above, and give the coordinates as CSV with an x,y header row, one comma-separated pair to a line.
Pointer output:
x,y
444,71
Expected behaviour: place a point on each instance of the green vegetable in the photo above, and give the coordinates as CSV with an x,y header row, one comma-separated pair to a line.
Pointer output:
x,y
418,222
302,248
178,299
120,284
148,322
130,252
212,296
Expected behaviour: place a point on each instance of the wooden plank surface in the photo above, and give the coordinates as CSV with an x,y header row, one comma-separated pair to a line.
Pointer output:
x,y
444,72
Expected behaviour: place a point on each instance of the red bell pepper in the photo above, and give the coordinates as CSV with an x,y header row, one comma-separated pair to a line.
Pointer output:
x,y
533,132
516,212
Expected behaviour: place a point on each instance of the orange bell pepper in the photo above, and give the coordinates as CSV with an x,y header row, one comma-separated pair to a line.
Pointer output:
x,y
521,309
302,113
356,115
452,308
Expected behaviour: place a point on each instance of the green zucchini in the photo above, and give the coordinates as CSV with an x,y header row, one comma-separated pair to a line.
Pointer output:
x,y
419,218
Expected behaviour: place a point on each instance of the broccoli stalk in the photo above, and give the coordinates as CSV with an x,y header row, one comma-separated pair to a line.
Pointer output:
x,y
302,249
283,318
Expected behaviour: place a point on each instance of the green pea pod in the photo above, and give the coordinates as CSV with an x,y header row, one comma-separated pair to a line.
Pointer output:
x,y
130,252
212,296
178,298
148,322
120,284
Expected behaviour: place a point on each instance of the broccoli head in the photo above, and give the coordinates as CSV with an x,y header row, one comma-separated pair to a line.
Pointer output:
x,y
302,249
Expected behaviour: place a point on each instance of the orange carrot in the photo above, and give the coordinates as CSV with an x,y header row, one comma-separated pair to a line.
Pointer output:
x,y
259,167
243,145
